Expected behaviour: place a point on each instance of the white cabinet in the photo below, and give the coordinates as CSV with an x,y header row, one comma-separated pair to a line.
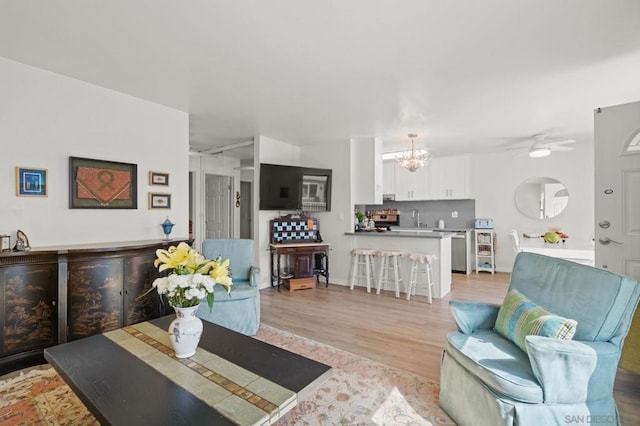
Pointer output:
x,y
449,177
411,185
388,177
366,170
485,252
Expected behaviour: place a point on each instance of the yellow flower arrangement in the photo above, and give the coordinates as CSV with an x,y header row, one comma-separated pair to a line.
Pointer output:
x,y
191,277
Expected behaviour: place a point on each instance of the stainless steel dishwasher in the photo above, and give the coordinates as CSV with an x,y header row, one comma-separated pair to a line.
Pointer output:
x,y
460,252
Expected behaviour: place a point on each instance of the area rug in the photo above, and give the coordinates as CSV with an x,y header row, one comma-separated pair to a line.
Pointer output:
x,y
359,392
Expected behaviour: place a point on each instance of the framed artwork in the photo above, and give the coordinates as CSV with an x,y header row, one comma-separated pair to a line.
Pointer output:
x,y
158,178
100,184
31,182
159,200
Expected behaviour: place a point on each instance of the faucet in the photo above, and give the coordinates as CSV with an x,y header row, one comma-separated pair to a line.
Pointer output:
x,y
415,213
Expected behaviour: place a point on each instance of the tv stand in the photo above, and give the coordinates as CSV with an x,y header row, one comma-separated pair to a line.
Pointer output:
x,y
304,260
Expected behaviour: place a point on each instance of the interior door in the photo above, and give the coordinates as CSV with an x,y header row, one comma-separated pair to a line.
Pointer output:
x,y
218,207
617,203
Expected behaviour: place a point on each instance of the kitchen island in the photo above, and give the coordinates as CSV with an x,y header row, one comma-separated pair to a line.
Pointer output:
x,y
413,240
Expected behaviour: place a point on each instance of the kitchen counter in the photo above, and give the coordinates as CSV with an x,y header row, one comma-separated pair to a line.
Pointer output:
x,y
412,240
404,233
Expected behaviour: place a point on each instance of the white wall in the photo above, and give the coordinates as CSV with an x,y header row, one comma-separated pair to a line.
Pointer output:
x,y
339,220
45,118
496,176
269,151
333,224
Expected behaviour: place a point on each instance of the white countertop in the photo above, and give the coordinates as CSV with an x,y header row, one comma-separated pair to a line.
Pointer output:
x,y
309,244
404,234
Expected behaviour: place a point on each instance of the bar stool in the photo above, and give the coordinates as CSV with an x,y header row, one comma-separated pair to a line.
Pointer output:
x,y
389,263
420,265
362,259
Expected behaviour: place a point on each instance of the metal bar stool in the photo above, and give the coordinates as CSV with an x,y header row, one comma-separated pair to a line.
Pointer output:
x,y
420,265
362,259
389,262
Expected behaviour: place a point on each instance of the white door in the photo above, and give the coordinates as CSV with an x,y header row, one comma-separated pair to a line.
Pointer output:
x,y
218,206
617,199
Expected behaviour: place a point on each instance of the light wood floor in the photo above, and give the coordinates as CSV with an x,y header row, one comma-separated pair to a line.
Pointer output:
x,y
407,335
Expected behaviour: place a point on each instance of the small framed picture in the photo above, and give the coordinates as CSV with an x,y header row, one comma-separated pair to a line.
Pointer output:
x,y
31,182
5,242
159,200
158,178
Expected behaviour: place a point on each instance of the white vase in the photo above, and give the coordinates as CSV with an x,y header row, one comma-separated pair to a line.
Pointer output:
x,y
185,331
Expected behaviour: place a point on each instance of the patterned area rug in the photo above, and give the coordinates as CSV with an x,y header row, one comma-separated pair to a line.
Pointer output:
x,y
359,392
41,397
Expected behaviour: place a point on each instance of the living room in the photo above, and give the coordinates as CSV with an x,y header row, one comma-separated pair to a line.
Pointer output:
x,y
72,88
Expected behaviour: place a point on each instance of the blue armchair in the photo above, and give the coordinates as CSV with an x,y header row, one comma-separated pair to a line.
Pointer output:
x,y
487,380
240,310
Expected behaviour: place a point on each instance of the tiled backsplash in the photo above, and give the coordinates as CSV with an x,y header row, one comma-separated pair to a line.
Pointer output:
x,y
431,212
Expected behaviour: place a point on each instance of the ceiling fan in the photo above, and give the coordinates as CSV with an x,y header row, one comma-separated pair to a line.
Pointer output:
x,y
540,146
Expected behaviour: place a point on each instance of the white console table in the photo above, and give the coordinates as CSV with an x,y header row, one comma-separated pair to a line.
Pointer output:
x,y
579,251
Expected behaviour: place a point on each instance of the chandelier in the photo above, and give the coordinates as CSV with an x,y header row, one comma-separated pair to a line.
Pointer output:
x,y
413,159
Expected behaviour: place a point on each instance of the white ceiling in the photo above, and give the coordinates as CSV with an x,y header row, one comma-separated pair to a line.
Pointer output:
x,y
465,75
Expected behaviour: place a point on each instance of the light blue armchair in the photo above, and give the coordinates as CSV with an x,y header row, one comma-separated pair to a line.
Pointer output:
x,y
487,380
240,310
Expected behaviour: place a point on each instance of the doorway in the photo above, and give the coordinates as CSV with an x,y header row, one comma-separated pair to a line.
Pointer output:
x,y
219,218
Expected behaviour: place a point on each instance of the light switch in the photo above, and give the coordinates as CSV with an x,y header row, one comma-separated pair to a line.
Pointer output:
x,y
454,213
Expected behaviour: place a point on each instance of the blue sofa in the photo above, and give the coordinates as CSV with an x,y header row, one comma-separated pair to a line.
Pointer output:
x,y
240,310
487,380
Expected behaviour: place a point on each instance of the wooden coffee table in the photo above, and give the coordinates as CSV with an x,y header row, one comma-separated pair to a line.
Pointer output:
x,y
130,376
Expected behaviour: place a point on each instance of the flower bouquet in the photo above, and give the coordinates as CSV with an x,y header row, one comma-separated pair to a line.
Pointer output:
x,y
191,278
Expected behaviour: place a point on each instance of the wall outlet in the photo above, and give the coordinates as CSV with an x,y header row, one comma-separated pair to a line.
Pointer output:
x,y
454,213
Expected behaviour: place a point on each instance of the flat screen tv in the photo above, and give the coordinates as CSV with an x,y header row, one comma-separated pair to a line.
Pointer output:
x,y
294,188
280,187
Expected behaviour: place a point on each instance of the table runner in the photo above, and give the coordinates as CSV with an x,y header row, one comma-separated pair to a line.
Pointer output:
x,y
240,395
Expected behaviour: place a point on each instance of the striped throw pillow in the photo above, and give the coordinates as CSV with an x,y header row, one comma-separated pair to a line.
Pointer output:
x,y
519,317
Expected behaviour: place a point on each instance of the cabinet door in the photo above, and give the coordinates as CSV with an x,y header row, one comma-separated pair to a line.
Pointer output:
x,y
411,185
449,177
29,311
438,186
95,297
303,265
140,274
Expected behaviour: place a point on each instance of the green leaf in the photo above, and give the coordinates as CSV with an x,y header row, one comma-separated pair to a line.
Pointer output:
x,y
210,301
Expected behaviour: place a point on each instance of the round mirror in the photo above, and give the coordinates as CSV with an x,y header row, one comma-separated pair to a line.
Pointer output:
x,y
541,198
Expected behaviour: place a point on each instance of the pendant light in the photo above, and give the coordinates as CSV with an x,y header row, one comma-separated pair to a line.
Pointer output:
x,y
414,159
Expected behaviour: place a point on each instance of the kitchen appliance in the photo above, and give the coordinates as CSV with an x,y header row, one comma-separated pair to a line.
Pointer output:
x,y
385,218
461,252
484,224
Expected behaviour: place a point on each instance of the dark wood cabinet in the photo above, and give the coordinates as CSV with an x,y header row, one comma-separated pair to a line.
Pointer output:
x,y
307,259
67,293
28,308
303,266
95,297
139,303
